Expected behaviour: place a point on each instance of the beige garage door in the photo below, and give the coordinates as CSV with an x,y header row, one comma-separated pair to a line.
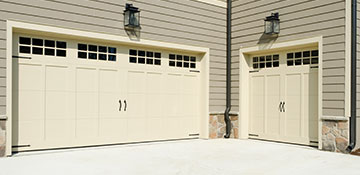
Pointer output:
x,y
69,93
284,96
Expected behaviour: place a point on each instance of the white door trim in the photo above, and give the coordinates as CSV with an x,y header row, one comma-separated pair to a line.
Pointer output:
x,y
244,78
15,26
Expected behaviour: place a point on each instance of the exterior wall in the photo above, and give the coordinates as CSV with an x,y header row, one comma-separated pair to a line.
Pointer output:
x,y
299,19
184,22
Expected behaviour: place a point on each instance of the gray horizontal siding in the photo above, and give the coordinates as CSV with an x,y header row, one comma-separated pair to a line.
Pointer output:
x,y
185,22
299,19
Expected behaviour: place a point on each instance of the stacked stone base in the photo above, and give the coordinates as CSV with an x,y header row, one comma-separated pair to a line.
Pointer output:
x,y
2,138
218,128
335,136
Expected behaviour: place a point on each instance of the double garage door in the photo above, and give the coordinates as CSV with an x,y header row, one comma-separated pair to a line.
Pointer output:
x,y
69,93
284,96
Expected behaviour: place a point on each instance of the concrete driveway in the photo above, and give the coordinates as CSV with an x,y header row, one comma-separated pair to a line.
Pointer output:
x,y
208,157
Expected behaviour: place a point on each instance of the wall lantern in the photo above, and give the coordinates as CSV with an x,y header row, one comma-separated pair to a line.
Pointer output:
x,y
131,17
272,24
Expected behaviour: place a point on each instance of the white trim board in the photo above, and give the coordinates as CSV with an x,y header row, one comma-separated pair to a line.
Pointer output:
x,y
16,26
244,79
215,2
347,57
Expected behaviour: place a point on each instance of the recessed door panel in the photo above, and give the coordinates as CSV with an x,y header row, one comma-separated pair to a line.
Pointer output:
x,y
273,91
293,105
257,104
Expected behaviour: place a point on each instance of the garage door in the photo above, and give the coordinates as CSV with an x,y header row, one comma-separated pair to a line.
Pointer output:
x,y
284,96
69,93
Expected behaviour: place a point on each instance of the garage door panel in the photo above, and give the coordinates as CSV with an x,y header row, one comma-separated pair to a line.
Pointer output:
x,y
86,105
257,86
191,125
257,125
137,129
173,83
293,128
87,128
109,106
109,81
113,129
188,85
136,105
154,105
57,105
53,126
190,105
30,105
86,80
173,127
273,125
154,82
171,105
136,82
31,77
156,128
57,78
29,132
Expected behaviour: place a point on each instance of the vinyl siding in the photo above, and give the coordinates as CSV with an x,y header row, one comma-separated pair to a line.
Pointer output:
x,y
299,19
186,22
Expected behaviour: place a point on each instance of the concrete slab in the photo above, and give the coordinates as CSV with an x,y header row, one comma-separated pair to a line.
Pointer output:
x,y
208,157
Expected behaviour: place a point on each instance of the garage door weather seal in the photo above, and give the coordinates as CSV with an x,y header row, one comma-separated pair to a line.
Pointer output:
x,y
352,142
228,72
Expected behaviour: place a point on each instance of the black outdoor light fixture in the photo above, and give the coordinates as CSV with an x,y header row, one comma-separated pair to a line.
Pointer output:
x,y
131,17
272,24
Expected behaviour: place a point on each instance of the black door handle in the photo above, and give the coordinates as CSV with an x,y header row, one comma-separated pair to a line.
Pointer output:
x,y
125,105
280,106
283,106
120,105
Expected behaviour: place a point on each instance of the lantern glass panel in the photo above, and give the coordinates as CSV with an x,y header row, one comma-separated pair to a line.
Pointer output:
x,y
126,18
268,27
276,26
134,19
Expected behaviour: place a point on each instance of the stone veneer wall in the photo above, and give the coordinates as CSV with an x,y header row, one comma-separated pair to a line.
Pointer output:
x,y
218,128
2,138
335,136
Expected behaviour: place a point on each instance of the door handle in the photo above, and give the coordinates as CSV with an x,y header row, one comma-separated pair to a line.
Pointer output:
x,y
120,105
280,106
283,106
125,105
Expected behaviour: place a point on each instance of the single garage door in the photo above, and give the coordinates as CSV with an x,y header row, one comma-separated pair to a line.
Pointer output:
x,y
69,93
284,96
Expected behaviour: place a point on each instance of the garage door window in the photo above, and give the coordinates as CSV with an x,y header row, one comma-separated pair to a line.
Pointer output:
x,y
184,61
144,57
268,61
37,46
95,52
309,57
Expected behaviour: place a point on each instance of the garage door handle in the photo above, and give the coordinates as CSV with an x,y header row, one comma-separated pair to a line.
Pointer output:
x,y
280,106
120,105
283,107
125,105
